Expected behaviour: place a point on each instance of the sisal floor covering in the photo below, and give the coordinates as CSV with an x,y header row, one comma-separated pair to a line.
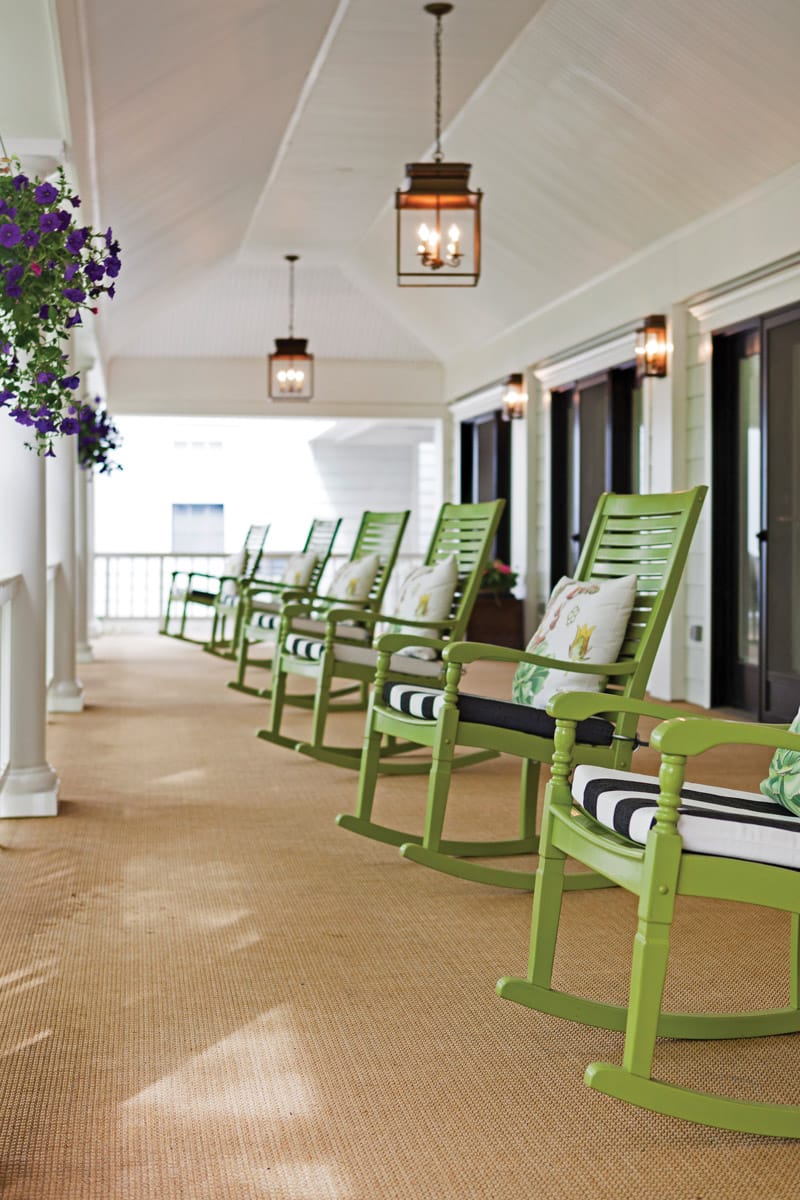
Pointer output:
x,y
208,991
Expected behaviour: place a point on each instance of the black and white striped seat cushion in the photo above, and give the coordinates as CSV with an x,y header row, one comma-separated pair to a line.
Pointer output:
x,y
712,820
266,620
229,598
483,710
303,647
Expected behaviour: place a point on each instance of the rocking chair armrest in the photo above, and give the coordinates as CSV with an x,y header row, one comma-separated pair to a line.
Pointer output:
x,y
577,706
203,575
689,736
467,652
367,616
390,643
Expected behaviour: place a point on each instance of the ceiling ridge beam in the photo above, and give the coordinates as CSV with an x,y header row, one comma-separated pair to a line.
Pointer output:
x,y
309,84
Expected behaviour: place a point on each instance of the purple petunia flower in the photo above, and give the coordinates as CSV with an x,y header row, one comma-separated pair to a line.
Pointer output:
x,y
73,320
10,234
93,271
64,219
5,396
75,201
70,271
15,273
21,416
6,210
111,292
13,290
113,266
45,193
69,425
45,377
109,236
77,239
48,222
20,182
30,238
44,312
70,381
75,294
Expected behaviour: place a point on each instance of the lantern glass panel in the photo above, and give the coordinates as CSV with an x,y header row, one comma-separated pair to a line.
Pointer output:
x,y
438,240
291,377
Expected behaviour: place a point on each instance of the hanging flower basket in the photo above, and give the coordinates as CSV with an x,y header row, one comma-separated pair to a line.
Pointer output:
x,y
98,439
53,270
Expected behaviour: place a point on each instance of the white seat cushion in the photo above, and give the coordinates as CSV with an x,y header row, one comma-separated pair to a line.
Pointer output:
x,y
712,820
399,663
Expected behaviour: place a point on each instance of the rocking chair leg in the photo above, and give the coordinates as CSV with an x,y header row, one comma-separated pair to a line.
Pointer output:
x,y
439,786
529,797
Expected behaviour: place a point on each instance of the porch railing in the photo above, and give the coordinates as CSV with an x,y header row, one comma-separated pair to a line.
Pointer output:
x,y
134,587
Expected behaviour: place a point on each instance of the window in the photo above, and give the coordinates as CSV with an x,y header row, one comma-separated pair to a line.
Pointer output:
x,y
198,528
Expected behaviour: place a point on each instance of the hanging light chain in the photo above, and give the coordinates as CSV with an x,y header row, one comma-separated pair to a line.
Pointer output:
x,y
291,259
438,155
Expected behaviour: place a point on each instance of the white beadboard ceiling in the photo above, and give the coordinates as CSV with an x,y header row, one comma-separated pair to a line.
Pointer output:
x,y
216,137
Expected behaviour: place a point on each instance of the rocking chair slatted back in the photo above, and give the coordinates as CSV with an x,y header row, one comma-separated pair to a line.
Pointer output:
x,y
380,533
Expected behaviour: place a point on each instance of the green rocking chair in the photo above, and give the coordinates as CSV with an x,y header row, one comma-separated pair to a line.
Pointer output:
x,y
262,599
378,538
645,536
662,840
202,588
459,548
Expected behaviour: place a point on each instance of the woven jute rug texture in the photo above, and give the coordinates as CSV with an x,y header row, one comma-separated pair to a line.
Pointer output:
x,y
207,990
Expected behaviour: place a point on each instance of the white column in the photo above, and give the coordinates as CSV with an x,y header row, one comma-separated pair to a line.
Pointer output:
x,y
65,693
29,785
666,404
83,564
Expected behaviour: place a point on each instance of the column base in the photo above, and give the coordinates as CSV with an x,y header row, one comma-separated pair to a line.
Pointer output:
x,y
84,652
65,696
29,792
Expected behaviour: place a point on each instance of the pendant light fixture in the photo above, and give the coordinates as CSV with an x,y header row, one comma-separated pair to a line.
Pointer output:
x,y
438,217
291,368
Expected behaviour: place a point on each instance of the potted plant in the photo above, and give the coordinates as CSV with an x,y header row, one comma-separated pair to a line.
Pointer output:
x,y
498,577
53,270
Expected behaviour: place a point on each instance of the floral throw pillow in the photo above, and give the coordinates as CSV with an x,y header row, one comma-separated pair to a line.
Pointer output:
x,y
782,785
353,580
584,621
297,572
425,592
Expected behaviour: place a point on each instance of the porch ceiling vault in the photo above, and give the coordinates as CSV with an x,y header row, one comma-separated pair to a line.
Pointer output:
x,y
221,136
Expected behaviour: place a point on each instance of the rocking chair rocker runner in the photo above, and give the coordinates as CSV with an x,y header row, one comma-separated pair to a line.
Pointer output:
x,y
459,546
209,589
262,599
379,537
661,840
645,536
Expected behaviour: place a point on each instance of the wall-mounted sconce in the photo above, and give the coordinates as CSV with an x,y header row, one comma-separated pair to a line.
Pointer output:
x,y
651,348
515,398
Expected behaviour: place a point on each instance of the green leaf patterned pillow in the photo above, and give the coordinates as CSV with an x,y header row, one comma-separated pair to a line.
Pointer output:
x,y
782,785
584,621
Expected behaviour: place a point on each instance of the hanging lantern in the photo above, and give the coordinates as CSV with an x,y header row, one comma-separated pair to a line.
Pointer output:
x,y
291,368
651,348
438,217
515,398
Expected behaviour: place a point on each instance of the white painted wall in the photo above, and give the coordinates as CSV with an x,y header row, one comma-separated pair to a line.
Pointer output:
x,y
280,471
